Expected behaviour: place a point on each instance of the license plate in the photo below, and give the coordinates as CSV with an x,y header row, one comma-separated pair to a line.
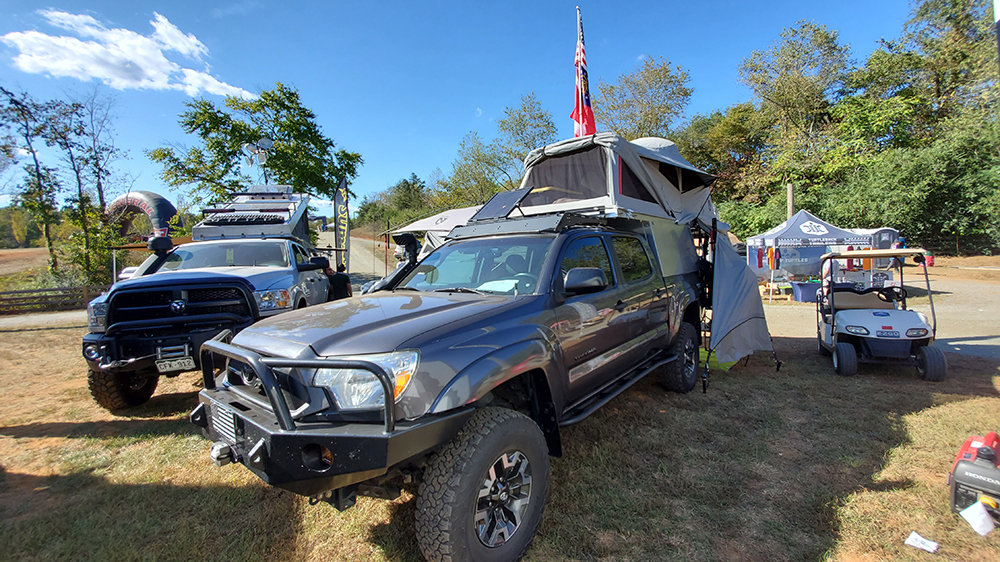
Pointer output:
x,y
886,334
179,364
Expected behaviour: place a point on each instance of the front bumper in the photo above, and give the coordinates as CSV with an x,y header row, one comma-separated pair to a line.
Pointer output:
x,y
133,346
315,457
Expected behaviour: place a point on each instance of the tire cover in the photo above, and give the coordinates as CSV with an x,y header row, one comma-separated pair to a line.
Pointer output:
x,y
156,207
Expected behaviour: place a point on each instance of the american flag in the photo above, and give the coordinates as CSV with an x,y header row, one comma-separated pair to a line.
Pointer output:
x,y
583,113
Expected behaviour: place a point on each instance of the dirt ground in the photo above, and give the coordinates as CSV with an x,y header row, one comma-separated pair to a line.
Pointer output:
x,y
19,259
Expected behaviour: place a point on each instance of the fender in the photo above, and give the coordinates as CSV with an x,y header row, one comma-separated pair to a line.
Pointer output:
x,y
492,370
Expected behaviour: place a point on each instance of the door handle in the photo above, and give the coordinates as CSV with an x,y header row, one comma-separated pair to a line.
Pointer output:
x,y
660,292
620,306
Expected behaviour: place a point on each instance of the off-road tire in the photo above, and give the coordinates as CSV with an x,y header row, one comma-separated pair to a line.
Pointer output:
x,y
931,364
845,359
681,374
447,500
117,391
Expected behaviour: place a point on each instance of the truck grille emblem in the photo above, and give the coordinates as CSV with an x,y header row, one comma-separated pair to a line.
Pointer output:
x,y
178,307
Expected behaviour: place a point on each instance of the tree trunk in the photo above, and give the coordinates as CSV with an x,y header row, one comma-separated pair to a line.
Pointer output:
x,y
53,261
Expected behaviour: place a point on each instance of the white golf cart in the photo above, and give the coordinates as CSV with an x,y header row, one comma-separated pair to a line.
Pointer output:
x,y
870,322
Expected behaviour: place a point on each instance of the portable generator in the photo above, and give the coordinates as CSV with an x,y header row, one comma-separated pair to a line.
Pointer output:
x,y
975,476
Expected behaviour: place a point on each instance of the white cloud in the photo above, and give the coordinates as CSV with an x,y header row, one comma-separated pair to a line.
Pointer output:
x,y
479,112
238,9
641,58
118,57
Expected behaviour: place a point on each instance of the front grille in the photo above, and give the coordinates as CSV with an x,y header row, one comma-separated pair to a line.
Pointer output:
x,y
155,304
214,294
898,349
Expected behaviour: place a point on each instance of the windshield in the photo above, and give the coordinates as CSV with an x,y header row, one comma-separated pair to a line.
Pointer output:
x,y
221,254
502,265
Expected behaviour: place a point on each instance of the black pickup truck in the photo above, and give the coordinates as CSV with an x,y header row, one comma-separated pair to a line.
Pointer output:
x,y
490,344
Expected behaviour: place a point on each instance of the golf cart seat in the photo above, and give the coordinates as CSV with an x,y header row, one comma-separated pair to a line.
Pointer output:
x,y
849,299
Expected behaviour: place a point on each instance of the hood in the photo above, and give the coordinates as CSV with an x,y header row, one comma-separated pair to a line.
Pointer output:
x,y
259,278
373,323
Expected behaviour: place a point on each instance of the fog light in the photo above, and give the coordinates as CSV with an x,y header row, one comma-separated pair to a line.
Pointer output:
x,y
91,352
317,457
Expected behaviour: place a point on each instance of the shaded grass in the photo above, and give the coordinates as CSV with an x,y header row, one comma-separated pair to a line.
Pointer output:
x,y
790,465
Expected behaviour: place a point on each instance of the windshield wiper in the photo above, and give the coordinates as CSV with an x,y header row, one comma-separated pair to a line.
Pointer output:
x,y
459,290
404,289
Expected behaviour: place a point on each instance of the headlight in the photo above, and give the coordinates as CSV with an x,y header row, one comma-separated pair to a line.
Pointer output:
x,y
272,300
916,332
97,314
357,389
858,330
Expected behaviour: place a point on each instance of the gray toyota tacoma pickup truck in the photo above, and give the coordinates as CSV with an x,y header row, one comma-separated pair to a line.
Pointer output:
x,y
509,331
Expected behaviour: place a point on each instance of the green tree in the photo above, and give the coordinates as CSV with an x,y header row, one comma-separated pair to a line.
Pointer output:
x,y
522,130
645,102
302,156
27,120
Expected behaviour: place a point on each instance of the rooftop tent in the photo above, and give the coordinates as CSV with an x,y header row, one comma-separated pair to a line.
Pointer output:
x,y
648,179
647,176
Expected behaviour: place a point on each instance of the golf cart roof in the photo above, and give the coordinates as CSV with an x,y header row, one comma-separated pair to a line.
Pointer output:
x,y
891,253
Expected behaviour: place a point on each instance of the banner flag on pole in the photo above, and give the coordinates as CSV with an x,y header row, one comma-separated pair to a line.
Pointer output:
x,y
583,112
341,227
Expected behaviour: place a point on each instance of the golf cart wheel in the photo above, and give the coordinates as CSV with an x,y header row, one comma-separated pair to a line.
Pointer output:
x,y
931,364
845,359
823,352
681,374
483,494
114,390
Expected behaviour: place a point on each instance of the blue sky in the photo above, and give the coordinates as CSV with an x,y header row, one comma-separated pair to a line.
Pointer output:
x,y
399,82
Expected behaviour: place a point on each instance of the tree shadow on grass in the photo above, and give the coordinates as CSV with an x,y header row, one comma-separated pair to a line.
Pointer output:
x,y
83,516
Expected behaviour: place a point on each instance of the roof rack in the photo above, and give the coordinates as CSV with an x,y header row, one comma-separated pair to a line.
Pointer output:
x,y
263,211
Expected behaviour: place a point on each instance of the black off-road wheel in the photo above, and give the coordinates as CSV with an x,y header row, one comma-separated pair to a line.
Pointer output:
x,y
483,494
117,390
931,364
845,359
681,374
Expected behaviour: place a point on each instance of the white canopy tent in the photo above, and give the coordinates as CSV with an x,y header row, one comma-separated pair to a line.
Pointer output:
x,y
436,227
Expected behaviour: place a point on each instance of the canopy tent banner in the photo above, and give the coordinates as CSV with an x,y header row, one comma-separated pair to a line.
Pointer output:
x,y
441,222
802,240
436,227
648,179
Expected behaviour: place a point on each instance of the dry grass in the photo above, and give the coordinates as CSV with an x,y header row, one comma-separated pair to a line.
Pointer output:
x,y
790,465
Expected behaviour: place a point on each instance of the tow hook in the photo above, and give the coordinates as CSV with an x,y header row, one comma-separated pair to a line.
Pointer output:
x,y
221,454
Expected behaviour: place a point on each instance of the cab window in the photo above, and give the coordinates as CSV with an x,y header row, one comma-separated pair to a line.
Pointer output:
x,y
632,258
587,252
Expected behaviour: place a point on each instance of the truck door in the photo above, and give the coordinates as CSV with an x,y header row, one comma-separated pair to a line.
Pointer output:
x,y
313,283
589,326
643,292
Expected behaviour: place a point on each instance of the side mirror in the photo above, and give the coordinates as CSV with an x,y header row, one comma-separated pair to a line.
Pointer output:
x,y
584,280
322,261
160,245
